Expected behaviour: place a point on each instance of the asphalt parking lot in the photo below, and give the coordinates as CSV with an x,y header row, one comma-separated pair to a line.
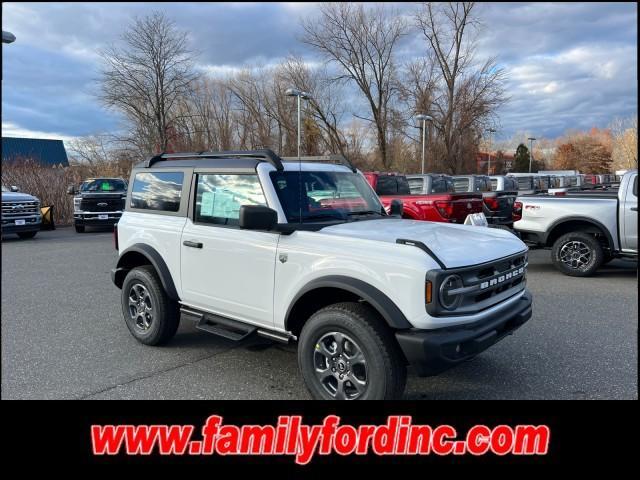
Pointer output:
x,y
63,337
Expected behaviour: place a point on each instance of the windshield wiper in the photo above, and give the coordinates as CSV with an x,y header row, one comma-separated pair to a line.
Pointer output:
x,y
365,212
320,216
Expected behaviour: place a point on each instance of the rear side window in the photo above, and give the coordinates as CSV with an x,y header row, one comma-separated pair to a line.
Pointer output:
x,y
386,185
415,185
403,186
635,186
461,184
524,183
494,183
442,185
392,185
157,191
219,197
482,185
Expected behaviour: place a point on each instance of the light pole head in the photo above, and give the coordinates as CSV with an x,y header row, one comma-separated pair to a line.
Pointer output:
x,y
531,139
424,118
293,92
8,37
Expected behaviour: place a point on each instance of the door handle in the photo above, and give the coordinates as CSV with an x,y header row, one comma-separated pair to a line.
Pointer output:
x,y
634,209
189,243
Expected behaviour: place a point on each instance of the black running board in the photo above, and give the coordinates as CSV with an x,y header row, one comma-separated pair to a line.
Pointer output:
x,y
228,328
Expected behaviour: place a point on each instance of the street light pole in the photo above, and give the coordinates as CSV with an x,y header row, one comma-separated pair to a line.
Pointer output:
x,y
531,140
292,92
425,119
491,132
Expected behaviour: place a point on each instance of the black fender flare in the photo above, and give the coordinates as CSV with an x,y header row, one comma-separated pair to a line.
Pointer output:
x,y
155,259
378,300
577,218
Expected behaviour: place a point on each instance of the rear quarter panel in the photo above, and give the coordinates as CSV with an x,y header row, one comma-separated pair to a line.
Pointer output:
x,y
541,214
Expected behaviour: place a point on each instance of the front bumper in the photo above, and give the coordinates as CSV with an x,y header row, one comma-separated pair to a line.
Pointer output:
x,y
32,225
93,219
434,351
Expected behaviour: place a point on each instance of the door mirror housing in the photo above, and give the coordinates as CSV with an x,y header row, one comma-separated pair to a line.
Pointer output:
x,y
71,190
257,217
14,188
396,208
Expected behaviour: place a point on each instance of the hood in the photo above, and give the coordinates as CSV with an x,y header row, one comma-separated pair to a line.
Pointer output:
x,y
455,245
18,197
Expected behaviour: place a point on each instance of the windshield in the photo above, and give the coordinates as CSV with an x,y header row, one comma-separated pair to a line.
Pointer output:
x,y
325,195
103,185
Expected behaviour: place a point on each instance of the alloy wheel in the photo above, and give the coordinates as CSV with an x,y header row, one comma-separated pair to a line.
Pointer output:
x,y
140,307
340,366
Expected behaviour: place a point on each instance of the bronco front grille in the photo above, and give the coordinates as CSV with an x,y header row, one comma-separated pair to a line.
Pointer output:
x,y
482,286
19,209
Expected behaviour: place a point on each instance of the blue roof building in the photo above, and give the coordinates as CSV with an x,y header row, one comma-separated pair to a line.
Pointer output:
x,y
46,152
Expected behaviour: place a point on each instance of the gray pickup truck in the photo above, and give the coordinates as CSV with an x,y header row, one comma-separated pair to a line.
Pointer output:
x,y
586,230
20,213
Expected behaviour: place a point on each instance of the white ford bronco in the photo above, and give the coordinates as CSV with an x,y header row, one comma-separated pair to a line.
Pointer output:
x,y
248,243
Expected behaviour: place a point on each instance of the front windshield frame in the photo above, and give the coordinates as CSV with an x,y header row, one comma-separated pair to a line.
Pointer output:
x,y
361,204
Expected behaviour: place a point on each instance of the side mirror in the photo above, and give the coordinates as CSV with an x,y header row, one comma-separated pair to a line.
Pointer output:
x,y
257,217
14,188
71,190
396,208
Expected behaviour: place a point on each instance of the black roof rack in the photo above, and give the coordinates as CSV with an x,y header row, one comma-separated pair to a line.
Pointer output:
x,y
326,158
264,154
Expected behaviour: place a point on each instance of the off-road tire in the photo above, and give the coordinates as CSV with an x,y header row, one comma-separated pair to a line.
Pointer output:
x,y
385,365
165,312
587,243
26,235
79,228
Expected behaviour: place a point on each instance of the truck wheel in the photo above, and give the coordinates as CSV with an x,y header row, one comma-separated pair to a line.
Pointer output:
x,y
151,316
80,228
345,352
577,254
25,235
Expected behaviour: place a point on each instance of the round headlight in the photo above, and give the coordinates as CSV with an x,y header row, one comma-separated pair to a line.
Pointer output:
x,y
447,300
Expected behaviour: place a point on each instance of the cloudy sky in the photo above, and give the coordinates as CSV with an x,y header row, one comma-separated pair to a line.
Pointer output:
x,y
570,66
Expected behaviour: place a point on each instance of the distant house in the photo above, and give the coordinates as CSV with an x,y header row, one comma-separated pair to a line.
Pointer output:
x,y
46,152
500,162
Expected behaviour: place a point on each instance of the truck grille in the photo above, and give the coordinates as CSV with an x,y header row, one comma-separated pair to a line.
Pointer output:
x,y
102,205
19,209
476,288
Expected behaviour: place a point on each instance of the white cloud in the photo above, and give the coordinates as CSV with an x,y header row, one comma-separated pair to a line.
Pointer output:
x,y
10,129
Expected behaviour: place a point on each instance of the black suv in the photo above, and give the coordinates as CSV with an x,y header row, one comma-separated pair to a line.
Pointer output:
x,y
98,202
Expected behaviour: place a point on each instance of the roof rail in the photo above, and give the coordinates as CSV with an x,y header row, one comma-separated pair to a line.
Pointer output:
x,y
265,154
324,158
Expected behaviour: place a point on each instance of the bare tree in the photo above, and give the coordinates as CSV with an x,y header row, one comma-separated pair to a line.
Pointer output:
x,y
625,143
326,107
467,94
362,42
147,77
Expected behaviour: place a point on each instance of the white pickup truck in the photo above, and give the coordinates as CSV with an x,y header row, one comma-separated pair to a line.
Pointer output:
x,y
246,243
584,230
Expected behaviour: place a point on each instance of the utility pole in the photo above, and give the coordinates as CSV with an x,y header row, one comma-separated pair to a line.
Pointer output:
x,y
491,132
531,140
292,92
424,118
